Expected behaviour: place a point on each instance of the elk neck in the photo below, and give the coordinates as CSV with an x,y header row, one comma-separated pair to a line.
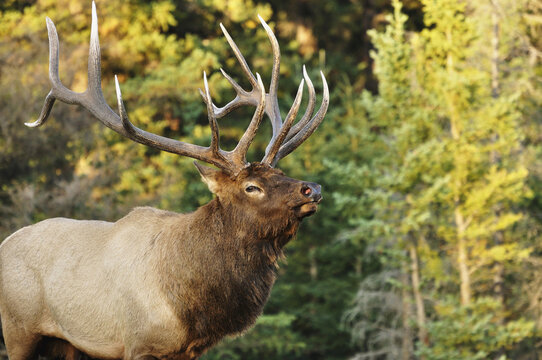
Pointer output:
x,y
219,277
257,239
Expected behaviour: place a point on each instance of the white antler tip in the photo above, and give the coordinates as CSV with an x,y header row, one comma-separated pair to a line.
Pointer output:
x,y
260,82
93,9
264,24
50,24
94,26
224,31
308,80
324,82
32,124
261,19
117,87
323,77
206,86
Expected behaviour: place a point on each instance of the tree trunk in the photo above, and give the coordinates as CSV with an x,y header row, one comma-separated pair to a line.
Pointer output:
x,y
498,236
462,259
406,344
460,223
418,298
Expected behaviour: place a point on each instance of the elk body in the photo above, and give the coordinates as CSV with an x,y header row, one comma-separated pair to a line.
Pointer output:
x,y
157,284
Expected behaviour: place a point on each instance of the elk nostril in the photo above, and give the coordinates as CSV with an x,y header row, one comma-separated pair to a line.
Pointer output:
x,y
305,190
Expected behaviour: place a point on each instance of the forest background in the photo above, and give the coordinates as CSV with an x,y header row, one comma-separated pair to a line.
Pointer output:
x,y
427,245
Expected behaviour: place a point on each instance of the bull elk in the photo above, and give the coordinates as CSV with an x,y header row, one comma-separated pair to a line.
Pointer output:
x,y
157,284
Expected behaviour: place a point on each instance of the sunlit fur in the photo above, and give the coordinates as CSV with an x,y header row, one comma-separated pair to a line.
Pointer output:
x,y
155,283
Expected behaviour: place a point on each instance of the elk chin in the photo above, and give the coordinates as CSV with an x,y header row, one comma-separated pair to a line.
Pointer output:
x,y
306,210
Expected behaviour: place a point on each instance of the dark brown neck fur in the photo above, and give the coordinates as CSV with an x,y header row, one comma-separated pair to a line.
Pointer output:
x,y
219,270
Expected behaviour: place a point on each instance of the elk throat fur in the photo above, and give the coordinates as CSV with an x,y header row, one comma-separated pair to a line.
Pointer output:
x,y
219,278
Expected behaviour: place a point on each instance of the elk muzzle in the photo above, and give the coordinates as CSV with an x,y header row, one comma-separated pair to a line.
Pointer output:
x,y
312,192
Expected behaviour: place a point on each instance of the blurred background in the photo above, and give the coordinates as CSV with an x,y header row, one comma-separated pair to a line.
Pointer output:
x,y
427,244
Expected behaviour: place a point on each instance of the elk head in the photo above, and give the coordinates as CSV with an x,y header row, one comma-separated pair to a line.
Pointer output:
x,y
258,186
261,190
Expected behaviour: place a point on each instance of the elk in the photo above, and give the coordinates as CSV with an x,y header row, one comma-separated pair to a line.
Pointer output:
x,y
158,284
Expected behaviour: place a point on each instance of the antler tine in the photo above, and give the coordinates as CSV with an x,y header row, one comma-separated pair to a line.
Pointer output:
x,y
273,104
238,89
215,138
240,57
128,126
308,112
94,99
94,58
277,140
306,131
245,141
242,98
58,90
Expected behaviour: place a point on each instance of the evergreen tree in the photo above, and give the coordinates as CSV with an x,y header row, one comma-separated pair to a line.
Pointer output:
x,y
444,127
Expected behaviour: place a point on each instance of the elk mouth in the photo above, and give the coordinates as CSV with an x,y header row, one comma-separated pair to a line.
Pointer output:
x,y
306,209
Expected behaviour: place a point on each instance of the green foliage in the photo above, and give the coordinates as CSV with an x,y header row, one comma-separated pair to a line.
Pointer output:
x,y
473,332
450,185
272,335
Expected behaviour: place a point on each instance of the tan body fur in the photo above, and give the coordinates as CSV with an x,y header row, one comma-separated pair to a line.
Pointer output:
x,y
60,265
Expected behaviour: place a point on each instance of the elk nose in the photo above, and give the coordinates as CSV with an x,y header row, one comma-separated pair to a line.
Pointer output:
x,y
312,191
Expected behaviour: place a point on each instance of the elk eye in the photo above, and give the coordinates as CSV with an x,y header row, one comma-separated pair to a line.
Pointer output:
x,y
252,188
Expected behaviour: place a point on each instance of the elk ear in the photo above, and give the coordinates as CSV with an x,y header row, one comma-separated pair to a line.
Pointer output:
x,y
209,176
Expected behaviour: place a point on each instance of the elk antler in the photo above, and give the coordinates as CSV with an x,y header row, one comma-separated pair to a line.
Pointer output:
x,y
285,138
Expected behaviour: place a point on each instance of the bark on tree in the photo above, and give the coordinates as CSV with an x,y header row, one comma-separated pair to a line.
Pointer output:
x,y
498,236
460,222
418,298
406,344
